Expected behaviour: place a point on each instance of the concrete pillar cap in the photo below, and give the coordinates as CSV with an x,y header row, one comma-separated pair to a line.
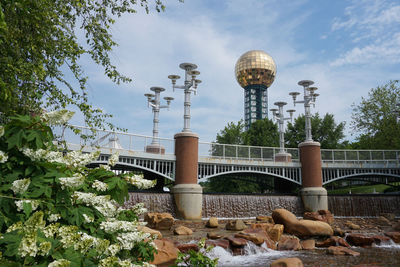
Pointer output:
x,y
186,134
309,143
313,191
187,189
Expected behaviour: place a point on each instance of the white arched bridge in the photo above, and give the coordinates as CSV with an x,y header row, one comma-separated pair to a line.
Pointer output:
x,y
217,160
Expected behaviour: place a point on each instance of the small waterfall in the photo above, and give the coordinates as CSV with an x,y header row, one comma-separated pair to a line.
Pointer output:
x,y
245,206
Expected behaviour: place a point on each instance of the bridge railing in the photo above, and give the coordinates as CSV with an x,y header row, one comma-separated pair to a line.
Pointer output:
x,y
242,152
114,139
360,156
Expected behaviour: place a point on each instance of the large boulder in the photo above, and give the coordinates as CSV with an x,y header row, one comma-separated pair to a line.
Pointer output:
x,y
287,262
212,222
166,254
236,225
300,228
159,221
342,251
257,236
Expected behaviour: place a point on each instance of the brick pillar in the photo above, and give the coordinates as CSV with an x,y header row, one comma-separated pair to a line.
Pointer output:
x,y
313,195
187,193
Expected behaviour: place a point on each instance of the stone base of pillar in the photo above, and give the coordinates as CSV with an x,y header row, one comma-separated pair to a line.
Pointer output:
x,y
155,149
314,198
283,157
188,200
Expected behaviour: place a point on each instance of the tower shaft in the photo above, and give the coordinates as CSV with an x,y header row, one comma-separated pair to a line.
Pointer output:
x,y
255,103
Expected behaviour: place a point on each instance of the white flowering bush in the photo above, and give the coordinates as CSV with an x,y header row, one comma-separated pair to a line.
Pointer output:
x,y
54,211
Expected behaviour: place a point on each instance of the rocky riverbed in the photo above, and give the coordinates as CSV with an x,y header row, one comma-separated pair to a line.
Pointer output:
x,y
262,240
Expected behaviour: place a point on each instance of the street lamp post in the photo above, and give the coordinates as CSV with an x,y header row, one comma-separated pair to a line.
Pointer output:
x,y
153,100
309,99
190,85
280,118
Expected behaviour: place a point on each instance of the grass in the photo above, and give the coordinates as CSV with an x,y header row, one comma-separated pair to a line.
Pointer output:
x,y
363,189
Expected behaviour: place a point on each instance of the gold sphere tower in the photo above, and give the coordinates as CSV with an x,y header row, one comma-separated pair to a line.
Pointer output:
x,y
255,71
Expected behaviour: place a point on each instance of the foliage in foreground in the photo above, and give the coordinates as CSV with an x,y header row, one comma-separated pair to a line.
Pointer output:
x,y
198,259
56,212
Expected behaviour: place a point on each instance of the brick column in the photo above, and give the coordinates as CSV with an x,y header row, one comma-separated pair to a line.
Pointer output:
x,y
313,195
187,193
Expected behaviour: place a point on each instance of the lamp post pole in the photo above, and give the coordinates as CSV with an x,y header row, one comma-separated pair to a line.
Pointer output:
x,y
153,100
280,118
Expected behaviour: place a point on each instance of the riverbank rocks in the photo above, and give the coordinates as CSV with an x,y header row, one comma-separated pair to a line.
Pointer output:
x,y
332,241
265,226
359,240
265,219
308,244
214,235
342,251
338,232
182,230
383,221
288,242
236,225
257,236
380,239
276,232
236,242
184,248
395,236
159,221
300,228
397,226
352,226
212,222
287,262
223,243
389,216
166,254
321,215
152,232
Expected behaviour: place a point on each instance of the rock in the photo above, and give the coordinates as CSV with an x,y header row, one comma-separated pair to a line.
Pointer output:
x,y
223,243
289,243
397,226
379,239
332,241
308,244
383,221
183,230
236,225
212,222
339,232
321,215
266,219
184,248
342,251
395,236
276,232
166,254
300,227
359,240
257,236
214,235
236,242
159,221
238,251
262,234
352,226
389,216
287,262
154,233
265,226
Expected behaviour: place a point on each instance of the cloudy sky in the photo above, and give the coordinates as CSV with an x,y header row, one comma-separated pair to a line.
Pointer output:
x,y
345,47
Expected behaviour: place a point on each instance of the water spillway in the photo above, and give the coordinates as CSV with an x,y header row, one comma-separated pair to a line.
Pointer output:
x,y
245,206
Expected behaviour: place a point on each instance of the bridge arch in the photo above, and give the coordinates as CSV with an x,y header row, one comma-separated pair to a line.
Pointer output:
x,y
371,174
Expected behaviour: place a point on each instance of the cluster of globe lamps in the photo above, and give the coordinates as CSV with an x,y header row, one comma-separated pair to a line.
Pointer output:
x,y
189,86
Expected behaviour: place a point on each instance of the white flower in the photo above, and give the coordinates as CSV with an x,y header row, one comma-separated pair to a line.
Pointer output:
x,y
128,240
72,182
139,182
28,246
54,217
99,186
3,157
114,225
105,167
113,159
103,204
20,204
139,208
87,218
58,117
59,263
20,186
113,249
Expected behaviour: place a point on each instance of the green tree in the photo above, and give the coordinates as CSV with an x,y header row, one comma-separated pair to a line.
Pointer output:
x,y
374,117
262,133
232,134
324,130
39,41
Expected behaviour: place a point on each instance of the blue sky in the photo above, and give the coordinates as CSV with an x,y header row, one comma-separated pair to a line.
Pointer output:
x,y
345,47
